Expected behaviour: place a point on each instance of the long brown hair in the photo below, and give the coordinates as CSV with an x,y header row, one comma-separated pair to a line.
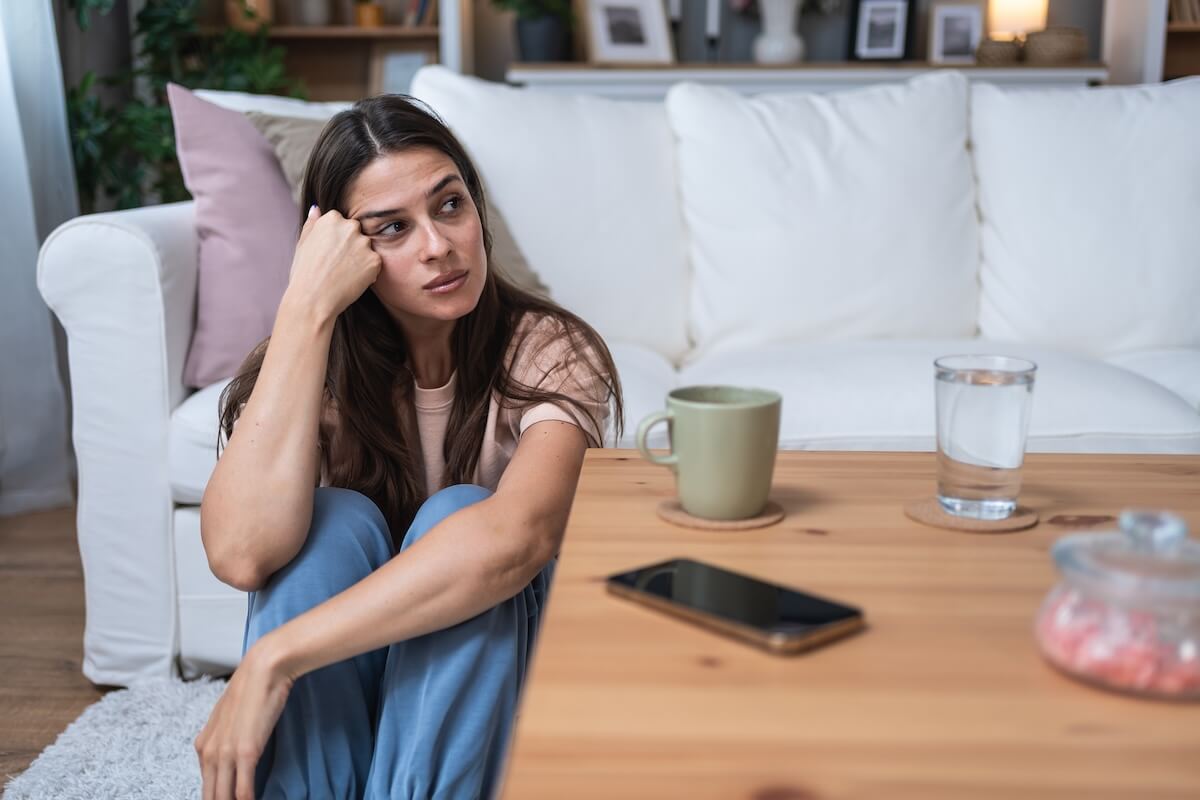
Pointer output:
x,y
367,381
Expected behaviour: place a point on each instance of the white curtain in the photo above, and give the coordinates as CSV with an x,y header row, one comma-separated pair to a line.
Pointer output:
x,y
37,193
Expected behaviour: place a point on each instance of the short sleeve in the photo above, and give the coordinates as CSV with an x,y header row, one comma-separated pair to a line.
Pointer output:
x,y
545,360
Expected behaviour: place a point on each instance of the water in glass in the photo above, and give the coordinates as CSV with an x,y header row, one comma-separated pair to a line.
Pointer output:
x,y
983,405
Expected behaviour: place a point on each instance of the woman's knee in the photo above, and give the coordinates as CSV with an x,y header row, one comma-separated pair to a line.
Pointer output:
x,y
347,539
441,505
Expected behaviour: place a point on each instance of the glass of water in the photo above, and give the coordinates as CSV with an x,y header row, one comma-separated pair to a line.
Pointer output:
x,y
983,405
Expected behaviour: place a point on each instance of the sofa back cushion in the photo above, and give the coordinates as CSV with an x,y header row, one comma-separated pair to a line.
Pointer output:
x,y
587,186
1090,202
828,217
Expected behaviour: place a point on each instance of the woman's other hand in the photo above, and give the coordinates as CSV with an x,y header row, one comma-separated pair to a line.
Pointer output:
x,y
333,265
237,731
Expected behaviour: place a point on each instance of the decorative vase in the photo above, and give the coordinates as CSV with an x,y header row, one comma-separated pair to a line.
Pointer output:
x,y
779,43
311,12
543,39
260,14
368,15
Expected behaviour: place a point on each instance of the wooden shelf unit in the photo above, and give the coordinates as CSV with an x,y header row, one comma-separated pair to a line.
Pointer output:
x,y
1181,51
345,61
383,32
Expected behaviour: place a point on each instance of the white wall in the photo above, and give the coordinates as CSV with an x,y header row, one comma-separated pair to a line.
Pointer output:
x,y
1135,34
37,192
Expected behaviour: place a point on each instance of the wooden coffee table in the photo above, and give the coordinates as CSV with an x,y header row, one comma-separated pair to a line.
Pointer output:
x,y
944,696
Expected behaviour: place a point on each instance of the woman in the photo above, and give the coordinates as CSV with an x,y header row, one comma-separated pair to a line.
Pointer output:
x,y
442,416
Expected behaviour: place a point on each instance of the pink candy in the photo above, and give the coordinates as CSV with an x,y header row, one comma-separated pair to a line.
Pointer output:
x,y
1118,647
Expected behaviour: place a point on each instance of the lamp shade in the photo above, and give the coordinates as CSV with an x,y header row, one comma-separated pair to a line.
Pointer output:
x,y
1012,19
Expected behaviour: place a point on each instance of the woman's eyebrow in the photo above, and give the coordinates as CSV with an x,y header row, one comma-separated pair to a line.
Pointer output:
x,y
388,212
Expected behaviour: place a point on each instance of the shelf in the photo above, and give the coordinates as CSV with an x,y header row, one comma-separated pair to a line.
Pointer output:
x,y
384,32
652,82
353,32
803,66
1183,27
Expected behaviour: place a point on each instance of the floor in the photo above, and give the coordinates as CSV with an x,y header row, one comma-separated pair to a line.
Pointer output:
x,y
42,689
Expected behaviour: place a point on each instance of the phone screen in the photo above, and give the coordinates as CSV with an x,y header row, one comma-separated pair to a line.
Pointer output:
x,y
735,598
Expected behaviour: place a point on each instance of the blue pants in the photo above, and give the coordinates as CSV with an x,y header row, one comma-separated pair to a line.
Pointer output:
x,y
429,717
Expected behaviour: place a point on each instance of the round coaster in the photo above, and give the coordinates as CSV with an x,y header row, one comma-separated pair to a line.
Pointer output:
x,y
672,512
928,511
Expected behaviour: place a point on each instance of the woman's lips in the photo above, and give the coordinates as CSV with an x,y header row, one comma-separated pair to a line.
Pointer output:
x,y
447,283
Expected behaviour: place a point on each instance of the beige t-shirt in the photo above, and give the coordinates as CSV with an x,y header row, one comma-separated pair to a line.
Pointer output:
x,y
540,358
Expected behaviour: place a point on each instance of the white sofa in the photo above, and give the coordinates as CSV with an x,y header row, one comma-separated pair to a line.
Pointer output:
x,y
825,246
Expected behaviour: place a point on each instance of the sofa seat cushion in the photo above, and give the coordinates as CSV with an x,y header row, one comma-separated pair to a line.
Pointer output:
x,y
192,443
1177,368
879,395
646,377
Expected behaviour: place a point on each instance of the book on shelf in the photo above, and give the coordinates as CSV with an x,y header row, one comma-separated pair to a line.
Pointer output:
x,y
416,12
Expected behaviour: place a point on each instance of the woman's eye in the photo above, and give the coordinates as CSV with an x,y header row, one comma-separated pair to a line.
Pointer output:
x,y
393,227
456,200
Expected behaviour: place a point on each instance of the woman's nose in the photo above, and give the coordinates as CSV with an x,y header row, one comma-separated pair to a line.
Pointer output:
x,y
434,243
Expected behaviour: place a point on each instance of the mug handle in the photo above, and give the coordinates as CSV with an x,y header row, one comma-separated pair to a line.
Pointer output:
x,y
669,460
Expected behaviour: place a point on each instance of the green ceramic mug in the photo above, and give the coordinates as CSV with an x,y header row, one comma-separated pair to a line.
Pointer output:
x,y
723,443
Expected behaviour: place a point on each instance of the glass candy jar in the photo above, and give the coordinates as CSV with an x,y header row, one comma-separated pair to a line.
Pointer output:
x,y
1126,613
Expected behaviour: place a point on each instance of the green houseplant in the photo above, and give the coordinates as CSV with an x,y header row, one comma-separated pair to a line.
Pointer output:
x,y
125,153
543,28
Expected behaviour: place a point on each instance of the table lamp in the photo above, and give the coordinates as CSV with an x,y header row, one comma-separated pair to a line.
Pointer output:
x,y
1009,21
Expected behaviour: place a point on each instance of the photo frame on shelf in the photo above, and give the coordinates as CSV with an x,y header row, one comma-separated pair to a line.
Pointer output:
x,y
627,32
881,30
955,30
391,68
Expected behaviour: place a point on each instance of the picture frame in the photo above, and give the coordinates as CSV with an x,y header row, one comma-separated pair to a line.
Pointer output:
x,y
391,67
881,30
955,31
627,32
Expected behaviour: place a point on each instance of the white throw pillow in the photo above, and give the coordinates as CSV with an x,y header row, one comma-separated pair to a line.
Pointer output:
x,y
1090,201
828,217
587,186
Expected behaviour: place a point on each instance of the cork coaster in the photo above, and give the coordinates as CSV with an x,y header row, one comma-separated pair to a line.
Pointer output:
x,y
928,511
672,512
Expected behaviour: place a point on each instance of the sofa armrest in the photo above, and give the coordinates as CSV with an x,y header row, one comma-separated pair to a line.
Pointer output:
x,y
123,285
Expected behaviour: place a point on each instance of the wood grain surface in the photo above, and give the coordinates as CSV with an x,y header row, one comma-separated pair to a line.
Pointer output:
x,y
42,688
943,696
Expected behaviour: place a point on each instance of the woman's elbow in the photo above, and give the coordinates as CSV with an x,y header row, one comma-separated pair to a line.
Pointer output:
x,y
229,567
238,573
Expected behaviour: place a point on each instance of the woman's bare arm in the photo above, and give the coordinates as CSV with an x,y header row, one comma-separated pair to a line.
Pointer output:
x,y
257,506
469,562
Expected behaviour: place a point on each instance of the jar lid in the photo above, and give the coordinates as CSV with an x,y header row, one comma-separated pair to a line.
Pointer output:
x,y
1150,558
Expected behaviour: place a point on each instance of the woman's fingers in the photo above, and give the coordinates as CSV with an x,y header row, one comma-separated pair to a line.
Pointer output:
x,y
244,788
208,777
225,777
314,214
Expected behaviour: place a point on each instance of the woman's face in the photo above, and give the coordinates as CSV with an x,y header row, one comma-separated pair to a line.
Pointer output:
x,y
419,216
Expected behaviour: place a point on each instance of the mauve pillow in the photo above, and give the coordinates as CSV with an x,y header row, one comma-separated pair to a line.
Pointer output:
x,y
247,223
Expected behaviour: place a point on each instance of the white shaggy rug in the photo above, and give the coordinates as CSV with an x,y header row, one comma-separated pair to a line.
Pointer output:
x,y
134,744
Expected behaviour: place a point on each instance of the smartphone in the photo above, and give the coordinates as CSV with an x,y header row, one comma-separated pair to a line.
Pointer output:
x,y
775,618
